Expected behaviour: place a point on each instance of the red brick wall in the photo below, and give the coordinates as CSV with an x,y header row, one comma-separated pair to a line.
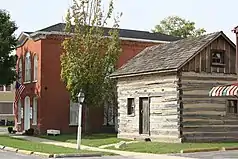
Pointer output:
x,y
33,88
53,104
130,49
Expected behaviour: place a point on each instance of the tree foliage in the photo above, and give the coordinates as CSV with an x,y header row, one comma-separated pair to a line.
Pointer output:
x,y
176,26
7,45
89,57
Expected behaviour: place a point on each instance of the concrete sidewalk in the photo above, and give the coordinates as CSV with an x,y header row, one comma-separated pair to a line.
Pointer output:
x,y
83,147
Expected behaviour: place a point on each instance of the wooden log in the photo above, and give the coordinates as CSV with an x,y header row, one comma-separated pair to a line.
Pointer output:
x,y
207,76
210,128
201,100
207,117
212,134
165,132
210,139
209,122
207,109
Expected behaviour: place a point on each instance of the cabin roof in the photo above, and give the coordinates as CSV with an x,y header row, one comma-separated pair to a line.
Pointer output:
x,y
167,57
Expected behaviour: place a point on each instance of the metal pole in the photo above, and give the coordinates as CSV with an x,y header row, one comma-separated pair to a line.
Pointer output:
x,y
79,126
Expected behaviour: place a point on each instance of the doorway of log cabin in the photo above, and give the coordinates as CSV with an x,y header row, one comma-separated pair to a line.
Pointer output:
x,y
144,115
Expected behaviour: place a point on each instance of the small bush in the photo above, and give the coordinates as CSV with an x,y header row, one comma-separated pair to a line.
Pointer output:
x,y
10,129
30,132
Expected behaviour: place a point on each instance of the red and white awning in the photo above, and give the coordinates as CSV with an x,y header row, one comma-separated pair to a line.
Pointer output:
x,y
224,90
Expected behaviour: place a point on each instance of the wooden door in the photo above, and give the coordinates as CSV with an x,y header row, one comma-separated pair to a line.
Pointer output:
x,y
144,122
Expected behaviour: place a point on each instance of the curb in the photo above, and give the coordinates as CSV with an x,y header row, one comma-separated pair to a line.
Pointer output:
x,y
26,152
200,150
43,154
229,148
76,155
2,147
11,149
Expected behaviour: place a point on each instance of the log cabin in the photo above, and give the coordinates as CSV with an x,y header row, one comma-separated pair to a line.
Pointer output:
x,y
163,91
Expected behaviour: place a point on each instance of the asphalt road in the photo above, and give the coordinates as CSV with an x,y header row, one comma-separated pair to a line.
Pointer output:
x,y
12,155
201,155
212,155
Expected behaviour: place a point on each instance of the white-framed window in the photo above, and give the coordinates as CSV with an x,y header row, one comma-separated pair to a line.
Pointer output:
x,y
74,109
28,67
35,67
19,109
20,70
34,121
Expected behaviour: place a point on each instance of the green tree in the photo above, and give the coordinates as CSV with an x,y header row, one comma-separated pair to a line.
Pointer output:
x,y
176,26
7,45
89,56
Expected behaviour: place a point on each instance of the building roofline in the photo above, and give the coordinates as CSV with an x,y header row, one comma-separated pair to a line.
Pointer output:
x,y
143,73
39,35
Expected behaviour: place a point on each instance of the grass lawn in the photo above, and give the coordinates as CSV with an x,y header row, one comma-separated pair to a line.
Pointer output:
x,y
39,147
94,140
159,148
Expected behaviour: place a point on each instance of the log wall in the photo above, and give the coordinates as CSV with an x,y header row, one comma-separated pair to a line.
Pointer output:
x,y
162,91
204,118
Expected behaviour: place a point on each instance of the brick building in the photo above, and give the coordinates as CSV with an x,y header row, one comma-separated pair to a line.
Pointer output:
x,y
45,102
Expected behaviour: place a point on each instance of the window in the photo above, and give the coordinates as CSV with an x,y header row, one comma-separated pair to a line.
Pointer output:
x,y
217,57
130,106
28,67
34,122
74,109
19,112
20,70
4,88
232,106
1,88
8,88
35,67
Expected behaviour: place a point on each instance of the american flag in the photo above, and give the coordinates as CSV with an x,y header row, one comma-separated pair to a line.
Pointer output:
x,y
19,90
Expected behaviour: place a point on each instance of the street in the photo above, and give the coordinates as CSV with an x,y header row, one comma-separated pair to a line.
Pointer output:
x,y
12,155
201,155
212,155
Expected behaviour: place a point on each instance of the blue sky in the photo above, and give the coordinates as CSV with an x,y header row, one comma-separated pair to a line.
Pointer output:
x,y
137,14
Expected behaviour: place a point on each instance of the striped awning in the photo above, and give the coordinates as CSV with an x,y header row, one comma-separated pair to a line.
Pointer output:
x,y
224,90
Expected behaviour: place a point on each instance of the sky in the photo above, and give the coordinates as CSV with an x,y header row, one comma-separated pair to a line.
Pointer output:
x,y
212,15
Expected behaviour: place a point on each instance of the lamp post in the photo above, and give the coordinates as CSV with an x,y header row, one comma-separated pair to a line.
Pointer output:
x,y
80,100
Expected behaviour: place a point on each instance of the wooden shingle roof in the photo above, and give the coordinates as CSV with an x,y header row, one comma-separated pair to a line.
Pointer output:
x,y
166,57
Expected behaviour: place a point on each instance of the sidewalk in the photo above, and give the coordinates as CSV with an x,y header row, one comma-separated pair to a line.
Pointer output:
x,y
83,147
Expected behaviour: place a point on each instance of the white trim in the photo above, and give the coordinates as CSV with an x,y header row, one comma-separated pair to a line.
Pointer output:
x,y
6,101
34,111
32,35
35,81
142,73
143,40
3,115
27,82
42,35
19,107
73,124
